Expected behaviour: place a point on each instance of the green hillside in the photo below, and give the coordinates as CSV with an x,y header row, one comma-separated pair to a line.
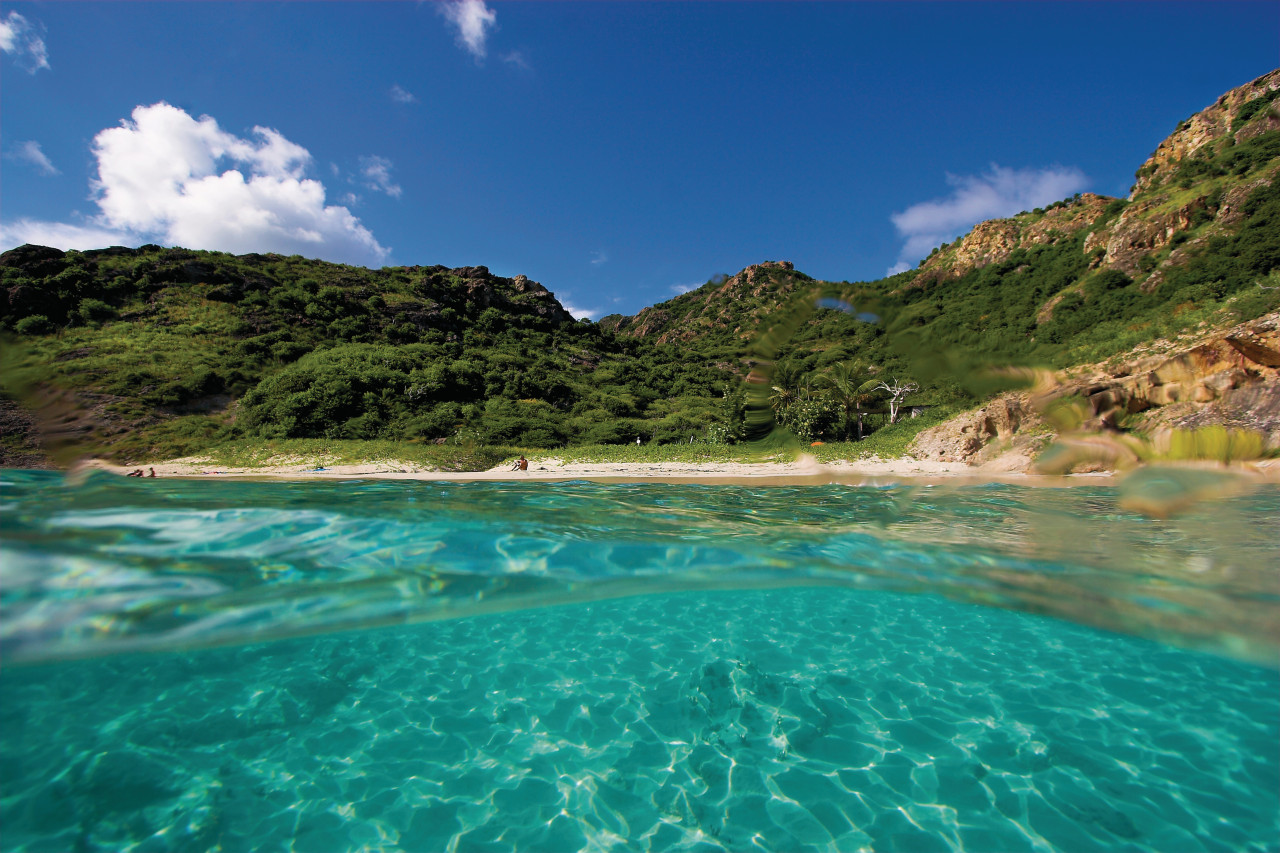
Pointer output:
x,y
171,349
159,352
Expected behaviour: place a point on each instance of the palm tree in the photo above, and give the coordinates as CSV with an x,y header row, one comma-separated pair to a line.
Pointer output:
x,y
786,383
850,386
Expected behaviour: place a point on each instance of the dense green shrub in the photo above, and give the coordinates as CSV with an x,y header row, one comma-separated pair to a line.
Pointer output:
x,y
36,324
95,311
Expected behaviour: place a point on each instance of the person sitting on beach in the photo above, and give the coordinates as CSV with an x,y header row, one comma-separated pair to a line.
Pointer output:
x,y
152,474
520,464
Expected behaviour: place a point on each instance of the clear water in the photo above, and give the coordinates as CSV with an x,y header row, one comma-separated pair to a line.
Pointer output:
x,y
210,665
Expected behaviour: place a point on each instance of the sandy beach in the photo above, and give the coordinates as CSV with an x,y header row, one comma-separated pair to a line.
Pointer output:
x,y
805,470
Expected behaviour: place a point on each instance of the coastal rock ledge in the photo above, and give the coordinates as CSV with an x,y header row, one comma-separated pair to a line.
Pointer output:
x,y
1229,379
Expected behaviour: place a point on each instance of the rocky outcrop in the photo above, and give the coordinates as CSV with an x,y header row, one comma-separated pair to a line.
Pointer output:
x,y
1210,125
979,436
1140,230
1156,214
1206,372
1229,379
513,295
993,241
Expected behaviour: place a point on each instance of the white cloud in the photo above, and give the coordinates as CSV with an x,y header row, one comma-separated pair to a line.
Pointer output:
x,y
598,257
377,175
20,39
401,95
159,180
31,152
579,313
473,20
518,59
680,289
998,193
62,235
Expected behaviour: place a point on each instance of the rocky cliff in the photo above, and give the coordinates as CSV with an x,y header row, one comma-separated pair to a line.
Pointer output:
x,y
1227,379
992,241
1242,114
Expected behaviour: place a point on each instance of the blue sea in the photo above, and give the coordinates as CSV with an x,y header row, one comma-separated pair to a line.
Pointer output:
x,y
190,665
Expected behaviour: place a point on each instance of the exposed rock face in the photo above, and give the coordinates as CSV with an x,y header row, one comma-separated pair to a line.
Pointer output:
x,y
992,241
1230,211
1248,355
1230,379
1139,231
489,291
519,295
978,436
1207,126
1149,224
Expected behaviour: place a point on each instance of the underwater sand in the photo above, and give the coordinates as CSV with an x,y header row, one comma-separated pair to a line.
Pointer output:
x,y
865,713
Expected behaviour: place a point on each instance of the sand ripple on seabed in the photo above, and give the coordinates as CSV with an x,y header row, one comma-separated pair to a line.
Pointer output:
x,y
791,720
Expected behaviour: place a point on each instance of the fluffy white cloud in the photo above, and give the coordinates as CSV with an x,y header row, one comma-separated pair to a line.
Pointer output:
x,y
577,313
401,95
473,20
20,39
31,152
997,194
377,175
169,178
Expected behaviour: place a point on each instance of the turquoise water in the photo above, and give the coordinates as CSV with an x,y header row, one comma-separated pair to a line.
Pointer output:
x,y
212,665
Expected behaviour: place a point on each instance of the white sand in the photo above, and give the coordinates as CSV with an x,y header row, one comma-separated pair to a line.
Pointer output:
x,y
806,470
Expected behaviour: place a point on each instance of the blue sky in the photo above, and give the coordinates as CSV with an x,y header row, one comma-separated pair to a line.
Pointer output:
x,y
619,153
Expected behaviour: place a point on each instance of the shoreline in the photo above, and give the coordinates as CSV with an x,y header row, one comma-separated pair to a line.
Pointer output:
x,y
804,471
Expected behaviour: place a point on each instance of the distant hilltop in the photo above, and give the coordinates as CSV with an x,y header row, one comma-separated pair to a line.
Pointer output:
x,y
1190,180
737,303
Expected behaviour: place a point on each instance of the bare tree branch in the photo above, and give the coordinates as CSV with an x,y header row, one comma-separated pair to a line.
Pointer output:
x,y
897,391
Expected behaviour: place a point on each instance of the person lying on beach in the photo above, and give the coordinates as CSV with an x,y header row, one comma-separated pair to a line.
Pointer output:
x,y
137,472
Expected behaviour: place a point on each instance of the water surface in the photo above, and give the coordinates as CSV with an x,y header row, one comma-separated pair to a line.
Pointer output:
x,y
569,666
